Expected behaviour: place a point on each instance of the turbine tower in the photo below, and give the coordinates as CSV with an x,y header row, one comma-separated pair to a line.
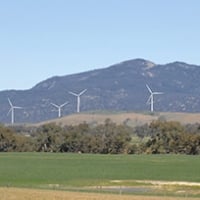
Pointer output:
x,y
12,110
59,107
78,98
150,99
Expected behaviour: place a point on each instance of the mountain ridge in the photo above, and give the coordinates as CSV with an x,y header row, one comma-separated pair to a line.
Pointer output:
x,y
119,87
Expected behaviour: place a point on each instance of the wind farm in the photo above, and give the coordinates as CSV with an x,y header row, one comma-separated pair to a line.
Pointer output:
x,y
78,105
121,87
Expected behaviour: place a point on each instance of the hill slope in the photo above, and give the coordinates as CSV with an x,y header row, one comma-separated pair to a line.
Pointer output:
x,y
120,87
132,119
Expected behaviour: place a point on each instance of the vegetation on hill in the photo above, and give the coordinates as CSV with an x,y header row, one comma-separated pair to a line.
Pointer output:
x,y
107,138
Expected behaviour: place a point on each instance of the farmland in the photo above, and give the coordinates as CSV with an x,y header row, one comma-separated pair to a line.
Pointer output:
x,y
101,173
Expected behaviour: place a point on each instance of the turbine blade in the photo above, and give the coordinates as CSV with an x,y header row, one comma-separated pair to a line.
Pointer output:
x,y
64,104
9,111
55,105
73,93
10,102
17,107
158,93
149,99
149,89
82,92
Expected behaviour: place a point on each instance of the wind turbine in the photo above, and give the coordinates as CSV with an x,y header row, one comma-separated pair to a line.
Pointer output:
x,y
12,110
78,98
150,99
59,107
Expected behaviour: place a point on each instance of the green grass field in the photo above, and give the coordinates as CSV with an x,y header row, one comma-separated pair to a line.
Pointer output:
x,y
40,169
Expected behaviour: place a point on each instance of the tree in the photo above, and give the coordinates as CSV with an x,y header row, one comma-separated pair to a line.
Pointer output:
x,y
9,141
171,137
48,138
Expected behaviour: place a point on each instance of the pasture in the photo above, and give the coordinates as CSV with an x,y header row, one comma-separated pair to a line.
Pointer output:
x,y
131,118
132,174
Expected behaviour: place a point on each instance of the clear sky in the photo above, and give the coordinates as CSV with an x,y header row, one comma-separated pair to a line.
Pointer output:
x,y
43,38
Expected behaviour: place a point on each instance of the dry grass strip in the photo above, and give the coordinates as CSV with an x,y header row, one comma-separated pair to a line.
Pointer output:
x,y
34,194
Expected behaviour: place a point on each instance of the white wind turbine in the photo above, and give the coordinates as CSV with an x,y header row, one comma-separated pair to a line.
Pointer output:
x,y
59,107
150,99
78,98
12,110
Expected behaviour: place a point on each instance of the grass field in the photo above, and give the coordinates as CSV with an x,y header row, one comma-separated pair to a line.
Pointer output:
x,y
85,171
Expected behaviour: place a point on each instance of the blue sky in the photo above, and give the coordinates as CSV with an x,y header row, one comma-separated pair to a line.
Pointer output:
x,y
43,38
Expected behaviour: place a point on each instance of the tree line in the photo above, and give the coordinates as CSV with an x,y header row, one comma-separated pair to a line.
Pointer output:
x,y
158,137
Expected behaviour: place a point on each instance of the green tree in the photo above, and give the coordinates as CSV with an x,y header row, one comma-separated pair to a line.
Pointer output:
x,y
171,137
48,138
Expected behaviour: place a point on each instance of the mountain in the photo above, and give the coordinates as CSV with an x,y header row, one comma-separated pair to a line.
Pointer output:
x,y
120,87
